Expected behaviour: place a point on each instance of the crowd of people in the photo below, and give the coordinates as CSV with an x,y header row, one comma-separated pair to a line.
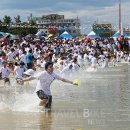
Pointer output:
x,y
68,55
57,58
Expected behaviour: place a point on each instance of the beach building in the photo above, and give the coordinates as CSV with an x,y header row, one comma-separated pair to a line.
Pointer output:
x,y
57,24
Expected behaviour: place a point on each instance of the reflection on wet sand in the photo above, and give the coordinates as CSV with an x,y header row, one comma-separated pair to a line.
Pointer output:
x,y
46,120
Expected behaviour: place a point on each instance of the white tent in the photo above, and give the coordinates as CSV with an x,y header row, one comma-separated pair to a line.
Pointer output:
x,y
91,33
40,33
117,34
66,35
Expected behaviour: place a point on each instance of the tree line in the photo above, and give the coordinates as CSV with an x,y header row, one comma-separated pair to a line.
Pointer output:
x,y
15,26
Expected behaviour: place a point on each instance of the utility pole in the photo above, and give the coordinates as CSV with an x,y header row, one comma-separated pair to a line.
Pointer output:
x,y
120,19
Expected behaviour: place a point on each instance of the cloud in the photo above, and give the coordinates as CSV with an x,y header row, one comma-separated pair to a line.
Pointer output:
x,y
58,4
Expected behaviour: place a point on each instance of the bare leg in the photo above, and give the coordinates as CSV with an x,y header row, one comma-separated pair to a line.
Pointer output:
x,y
43,102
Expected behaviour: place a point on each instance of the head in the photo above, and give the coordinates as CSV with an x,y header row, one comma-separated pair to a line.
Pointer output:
x,y
12,50
5,63
49,67
70,66
21,64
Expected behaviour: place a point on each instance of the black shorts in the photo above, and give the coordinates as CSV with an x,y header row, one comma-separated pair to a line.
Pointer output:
x,y
29,65
6,80
41,94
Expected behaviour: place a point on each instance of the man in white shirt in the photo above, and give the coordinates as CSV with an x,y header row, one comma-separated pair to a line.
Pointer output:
x,y
23,57
45,78
5,71
19,70
94,62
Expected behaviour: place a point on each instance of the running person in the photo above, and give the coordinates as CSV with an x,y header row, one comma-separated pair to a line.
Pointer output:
x,y
45,78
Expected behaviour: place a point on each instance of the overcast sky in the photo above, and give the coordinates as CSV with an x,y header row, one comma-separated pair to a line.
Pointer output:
x,y
102,11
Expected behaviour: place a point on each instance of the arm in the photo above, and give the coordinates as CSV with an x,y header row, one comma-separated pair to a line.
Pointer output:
x,y
65,80
28,79
68,81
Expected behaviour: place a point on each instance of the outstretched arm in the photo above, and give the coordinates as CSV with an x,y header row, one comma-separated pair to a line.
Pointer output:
x,y
68,81
27,79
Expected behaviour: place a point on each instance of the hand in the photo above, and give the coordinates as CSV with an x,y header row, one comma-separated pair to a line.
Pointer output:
x,y
21,82
75,84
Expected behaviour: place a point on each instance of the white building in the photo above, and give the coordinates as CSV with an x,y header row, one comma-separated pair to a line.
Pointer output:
x,y
59,22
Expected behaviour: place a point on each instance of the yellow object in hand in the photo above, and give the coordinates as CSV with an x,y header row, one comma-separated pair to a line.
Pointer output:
x,y
77,81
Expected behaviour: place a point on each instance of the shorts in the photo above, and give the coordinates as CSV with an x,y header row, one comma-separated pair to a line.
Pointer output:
x,y
6,80
41,94
29,65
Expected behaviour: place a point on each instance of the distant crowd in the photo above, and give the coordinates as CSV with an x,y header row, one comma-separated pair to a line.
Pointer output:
x,y
23,58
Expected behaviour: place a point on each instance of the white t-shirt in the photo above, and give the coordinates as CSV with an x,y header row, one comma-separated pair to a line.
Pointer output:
x,y
5,72
106,60
23,58
10,56
44,81
66,71
36,54
93,61
75,67
19,72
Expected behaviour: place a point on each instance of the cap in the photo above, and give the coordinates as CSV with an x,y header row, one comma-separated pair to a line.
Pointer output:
x,y
29,72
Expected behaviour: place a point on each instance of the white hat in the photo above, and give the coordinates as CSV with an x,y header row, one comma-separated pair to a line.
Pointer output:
x,y
29,72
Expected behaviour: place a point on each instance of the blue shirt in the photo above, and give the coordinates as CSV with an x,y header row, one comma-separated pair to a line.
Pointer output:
x,y
29,58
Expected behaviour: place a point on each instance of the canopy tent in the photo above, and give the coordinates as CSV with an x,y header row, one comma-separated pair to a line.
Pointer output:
x,y
2,34
30,36
9,36
4,40
15,37
117,34
93,35
40,34
66,35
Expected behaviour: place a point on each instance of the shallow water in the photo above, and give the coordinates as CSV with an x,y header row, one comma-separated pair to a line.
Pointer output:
x,y
100,103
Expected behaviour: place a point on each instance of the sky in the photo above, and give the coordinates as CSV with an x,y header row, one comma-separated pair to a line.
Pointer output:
x,y
89,11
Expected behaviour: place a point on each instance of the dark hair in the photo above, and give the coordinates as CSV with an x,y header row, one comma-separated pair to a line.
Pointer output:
x,y
16,63
30,51
47,64
70,66
21,63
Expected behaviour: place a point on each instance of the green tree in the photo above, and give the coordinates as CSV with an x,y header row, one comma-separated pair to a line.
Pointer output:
x,y
17,20
7,20
32,23
1,22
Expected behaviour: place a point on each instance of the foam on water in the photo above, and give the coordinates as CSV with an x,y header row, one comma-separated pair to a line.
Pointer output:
x,y
26,103
90,69
4,107
21,103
